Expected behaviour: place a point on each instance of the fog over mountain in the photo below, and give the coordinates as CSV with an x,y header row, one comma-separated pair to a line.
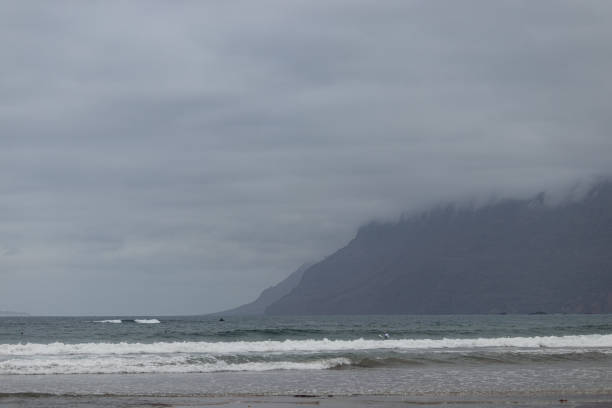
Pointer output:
x,y
513,256
162,157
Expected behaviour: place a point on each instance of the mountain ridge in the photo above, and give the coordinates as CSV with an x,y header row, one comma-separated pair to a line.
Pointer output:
x,y
267,296
513,256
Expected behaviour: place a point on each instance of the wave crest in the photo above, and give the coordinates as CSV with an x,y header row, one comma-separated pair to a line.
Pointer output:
x,y
143,321
147,321
154,364
582,342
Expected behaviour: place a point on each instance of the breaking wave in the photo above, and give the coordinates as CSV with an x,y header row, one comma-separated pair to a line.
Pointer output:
x,y
154,364
145,321
308,346
203,357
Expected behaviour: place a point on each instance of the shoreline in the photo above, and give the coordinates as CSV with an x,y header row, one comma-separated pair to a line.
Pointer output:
x,y
304,400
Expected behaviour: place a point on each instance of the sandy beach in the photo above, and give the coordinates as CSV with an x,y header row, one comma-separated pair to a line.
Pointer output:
x,y
323,401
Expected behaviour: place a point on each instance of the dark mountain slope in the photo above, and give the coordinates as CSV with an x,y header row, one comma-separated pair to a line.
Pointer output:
x,y
516,256
268,296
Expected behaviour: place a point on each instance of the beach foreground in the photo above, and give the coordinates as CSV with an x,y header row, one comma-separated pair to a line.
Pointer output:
x,y
323,401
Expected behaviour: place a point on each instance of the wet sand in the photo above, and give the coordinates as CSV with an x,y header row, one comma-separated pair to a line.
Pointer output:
x,y
300,401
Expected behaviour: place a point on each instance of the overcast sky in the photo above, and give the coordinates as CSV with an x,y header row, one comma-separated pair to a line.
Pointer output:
x,y
178,157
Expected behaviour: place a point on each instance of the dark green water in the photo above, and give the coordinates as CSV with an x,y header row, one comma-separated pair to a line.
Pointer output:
x,y
201,328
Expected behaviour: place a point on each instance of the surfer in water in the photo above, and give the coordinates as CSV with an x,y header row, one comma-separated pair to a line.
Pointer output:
x,y
384,336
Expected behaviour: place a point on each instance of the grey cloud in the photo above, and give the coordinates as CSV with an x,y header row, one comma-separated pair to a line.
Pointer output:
x,y
199,152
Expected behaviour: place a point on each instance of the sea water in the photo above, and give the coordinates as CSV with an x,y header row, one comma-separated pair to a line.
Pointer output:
x,y
432,357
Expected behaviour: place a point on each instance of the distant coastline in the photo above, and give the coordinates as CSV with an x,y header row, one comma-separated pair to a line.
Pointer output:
x,y
9,313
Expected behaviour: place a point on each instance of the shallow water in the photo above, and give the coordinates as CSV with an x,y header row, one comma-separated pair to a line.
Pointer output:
x,y
434,357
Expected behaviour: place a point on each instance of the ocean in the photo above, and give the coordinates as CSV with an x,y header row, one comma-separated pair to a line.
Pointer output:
x,y
478,360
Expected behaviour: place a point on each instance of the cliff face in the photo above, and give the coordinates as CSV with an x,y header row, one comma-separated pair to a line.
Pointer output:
x,y
268,296
518,256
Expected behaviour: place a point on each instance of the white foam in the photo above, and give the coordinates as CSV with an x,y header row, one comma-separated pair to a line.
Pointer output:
x,y
144,321
152,364
577,342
